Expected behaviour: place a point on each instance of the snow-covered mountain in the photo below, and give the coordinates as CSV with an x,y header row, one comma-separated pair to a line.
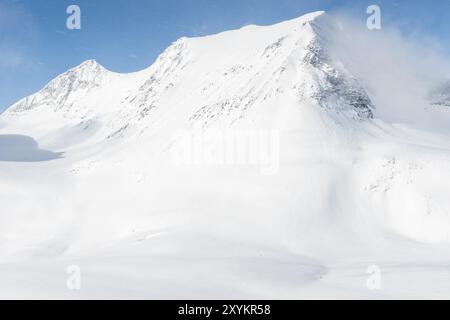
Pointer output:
x,y
440,96
206,80
88,177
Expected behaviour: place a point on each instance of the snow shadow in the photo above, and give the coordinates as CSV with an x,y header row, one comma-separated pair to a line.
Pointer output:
x,y
19,148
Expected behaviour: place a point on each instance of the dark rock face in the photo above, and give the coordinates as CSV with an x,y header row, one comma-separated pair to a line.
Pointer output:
x,y
340,85
440,96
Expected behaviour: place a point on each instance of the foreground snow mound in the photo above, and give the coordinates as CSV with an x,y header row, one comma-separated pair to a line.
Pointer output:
x,y
139,170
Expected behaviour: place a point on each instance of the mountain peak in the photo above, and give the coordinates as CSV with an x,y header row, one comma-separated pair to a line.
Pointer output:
x,y
90,65
84,77
309,17
89,62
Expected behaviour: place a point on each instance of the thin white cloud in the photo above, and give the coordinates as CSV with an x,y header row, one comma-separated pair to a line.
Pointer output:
x,y
10,57
398,71
17,31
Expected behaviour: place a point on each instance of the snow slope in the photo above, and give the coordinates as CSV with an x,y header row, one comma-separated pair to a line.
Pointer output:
x,y
91,175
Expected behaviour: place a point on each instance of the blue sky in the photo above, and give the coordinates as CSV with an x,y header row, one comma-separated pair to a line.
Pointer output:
x,y
128,35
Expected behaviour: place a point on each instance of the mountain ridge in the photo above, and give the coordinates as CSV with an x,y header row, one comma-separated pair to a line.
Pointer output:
x,y
167,63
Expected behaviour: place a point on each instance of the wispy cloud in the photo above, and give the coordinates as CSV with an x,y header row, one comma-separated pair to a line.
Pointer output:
x,y
10,57
17,31
398,71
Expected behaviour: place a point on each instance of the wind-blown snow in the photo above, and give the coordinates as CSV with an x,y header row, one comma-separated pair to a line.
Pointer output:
x,y
360,179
